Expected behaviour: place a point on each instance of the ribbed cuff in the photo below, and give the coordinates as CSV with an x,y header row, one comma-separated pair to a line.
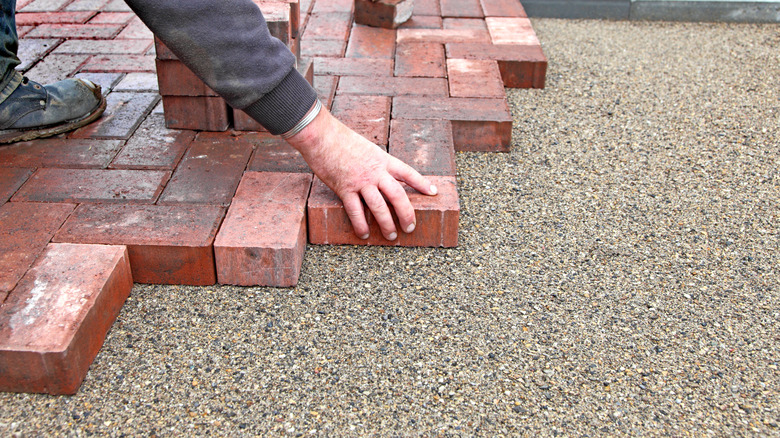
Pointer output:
x,y
284,106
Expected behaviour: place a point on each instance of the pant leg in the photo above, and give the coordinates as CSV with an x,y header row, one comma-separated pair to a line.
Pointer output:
x,y
227,44
9,42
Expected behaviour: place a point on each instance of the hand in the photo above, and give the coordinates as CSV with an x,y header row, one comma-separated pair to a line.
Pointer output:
x,y
355,168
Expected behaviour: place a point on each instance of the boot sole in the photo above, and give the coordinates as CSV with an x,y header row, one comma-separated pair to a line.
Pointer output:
x,y
15,135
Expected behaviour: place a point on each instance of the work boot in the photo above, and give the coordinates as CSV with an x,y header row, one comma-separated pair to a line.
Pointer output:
x,y
34,111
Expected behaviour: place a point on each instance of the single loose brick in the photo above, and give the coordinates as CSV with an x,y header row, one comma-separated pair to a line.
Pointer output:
x,y
521,66
263,237
93,185
511,30
461,8
11,179
202,113
388,14
272,154
502,8
437,218
176,79
353,67
168,244
54,322
25,229
209,173
369,116
474,78
371,42
426,145
393,86
124,112
60,152
477,124
153,146
420,60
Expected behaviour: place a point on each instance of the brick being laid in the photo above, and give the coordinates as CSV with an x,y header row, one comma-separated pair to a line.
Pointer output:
x,y
437,218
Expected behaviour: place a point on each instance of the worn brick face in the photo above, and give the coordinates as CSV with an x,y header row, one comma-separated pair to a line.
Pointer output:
x,y
10,180
371,42
420,60
54,322
25,229
153,146
209,173
369,116
93,185
60,152
426,145
168,244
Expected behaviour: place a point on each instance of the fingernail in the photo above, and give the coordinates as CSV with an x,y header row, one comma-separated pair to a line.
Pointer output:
x,y
392,236
410,228
434,189
364,237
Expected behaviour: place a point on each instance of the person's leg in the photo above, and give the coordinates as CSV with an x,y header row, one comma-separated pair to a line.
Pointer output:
x,y
29,110
9,44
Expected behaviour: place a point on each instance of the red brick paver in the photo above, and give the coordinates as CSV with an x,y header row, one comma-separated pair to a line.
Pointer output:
x,y
55,320
437,218
263,238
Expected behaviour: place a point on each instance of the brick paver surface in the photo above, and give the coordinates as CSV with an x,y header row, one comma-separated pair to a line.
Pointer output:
x,y
174,186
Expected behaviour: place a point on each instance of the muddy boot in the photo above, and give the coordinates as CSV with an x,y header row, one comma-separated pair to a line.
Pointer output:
x,y
31,110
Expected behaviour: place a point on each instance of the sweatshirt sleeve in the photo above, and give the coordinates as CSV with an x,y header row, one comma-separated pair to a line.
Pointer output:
x,y
227,44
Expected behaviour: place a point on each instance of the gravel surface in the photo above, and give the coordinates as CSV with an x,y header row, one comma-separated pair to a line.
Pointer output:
x,y
618,274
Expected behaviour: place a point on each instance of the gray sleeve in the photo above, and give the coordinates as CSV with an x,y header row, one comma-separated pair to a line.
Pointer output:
x,y
227,44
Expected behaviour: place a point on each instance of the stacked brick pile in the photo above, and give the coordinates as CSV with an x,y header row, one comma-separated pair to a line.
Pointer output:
x,y
126,199
190,104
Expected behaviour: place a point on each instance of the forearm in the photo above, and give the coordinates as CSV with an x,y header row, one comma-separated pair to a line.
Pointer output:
x,y
227,44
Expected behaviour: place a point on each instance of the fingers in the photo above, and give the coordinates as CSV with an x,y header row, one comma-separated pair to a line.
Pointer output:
x,y
397,197
376,203
402,171
354,209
